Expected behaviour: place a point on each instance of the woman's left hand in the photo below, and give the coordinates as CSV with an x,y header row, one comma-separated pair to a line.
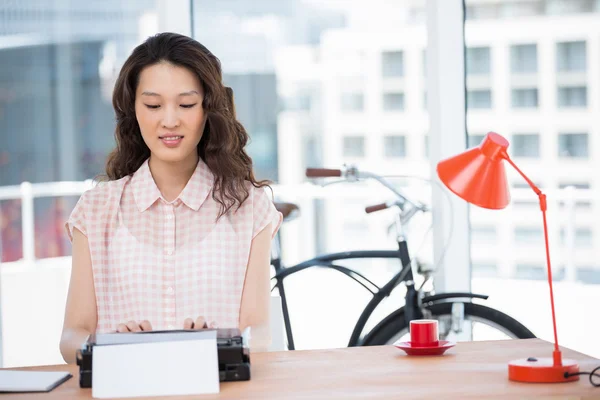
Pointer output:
x,y
199,323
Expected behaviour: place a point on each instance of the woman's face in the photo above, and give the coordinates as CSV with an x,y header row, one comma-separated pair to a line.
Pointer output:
x,y
168,108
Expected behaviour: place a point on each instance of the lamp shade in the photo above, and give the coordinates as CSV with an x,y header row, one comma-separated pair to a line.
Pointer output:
x,y
477,175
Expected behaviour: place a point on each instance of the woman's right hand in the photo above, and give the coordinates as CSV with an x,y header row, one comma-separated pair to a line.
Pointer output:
x,y
199,323
133,326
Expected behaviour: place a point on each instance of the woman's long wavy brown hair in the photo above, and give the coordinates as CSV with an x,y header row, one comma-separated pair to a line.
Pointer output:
x,y
223,142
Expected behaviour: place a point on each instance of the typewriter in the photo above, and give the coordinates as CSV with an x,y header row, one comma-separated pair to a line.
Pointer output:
x,y
232,349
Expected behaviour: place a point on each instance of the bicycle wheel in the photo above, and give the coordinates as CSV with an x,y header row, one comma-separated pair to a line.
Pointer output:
x,y
486,323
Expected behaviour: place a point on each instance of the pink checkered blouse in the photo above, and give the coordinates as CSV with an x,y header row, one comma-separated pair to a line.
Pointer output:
x,y
167,261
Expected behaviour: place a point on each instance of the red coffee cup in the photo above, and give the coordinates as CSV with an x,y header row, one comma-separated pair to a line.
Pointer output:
x,y
424,333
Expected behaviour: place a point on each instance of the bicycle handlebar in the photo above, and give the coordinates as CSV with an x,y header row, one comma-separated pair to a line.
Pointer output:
x,y
352,174
323,173
376,207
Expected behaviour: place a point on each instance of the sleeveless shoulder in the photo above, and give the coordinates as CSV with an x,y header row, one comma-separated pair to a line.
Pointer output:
x,y
259,208
93,204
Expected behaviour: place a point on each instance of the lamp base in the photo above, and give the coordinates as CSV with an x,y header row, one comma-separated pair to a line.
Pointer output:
x,y
542,370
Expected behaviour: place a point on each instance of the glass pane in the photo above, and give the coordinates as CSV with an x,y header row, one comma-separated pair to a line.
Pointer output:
x,y
484,234
528,235
534,272
572,96
526,145
59,62
395,146
589,275
571,56
352,102
477,99
540,94
12,234
392,64
478,60
352,83
56,115
576,185
573,145
393,101
571,6
523,58
354,146
524,98
581,237
485,270
475,139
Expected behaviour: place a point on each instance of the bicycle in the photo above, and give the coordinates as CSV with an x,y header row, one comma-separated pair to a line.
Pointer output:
x,y
452,310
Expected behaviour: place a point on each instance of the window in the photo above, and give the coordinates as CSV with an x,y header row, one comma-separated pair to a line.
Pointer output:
x,y
573,145
485,270
527,235
576,185
583,237
526,145
579,204
484,234
474,140
524,185
394,146
482,11
530,271
571,56
575,96
588,275
55,106
539,92
393,101
523,59
296,103
522,205
354,146
352,102
562,7
524,98
392,64
521,9
479,99
478,61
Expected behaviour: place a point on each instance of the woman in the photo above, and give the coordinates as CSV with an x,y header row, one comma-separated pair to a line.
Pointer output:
x,y
179,235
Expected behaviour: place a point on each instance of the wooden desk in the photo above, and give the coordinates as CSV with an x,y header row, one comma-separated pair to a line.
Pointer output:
x,y
469,370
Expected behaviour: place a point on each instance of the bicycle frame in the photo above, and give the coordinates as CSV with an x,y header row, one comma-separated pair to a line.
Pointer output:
x,y
328,261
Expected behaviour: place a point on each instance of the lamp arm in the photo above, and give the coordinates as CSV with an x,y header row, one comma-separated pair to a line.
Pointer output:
x,y
535,188
543,206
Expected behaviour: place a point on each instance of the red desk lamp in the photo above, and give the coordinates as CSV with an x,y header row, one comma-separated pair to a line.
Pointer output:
x,y
478,177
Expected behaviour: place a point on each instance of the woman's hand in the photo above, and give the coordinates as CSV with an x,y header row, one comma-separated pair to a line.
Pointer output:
x,y
199,323
133,326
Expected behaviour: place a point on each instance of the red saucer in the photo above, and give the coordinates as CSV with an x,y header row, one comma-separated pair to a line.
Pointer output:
x,y
438,350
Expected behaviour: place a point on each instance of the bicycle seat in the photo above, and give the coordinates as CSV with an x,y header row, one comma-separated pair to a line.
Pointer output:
x,y
290,211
